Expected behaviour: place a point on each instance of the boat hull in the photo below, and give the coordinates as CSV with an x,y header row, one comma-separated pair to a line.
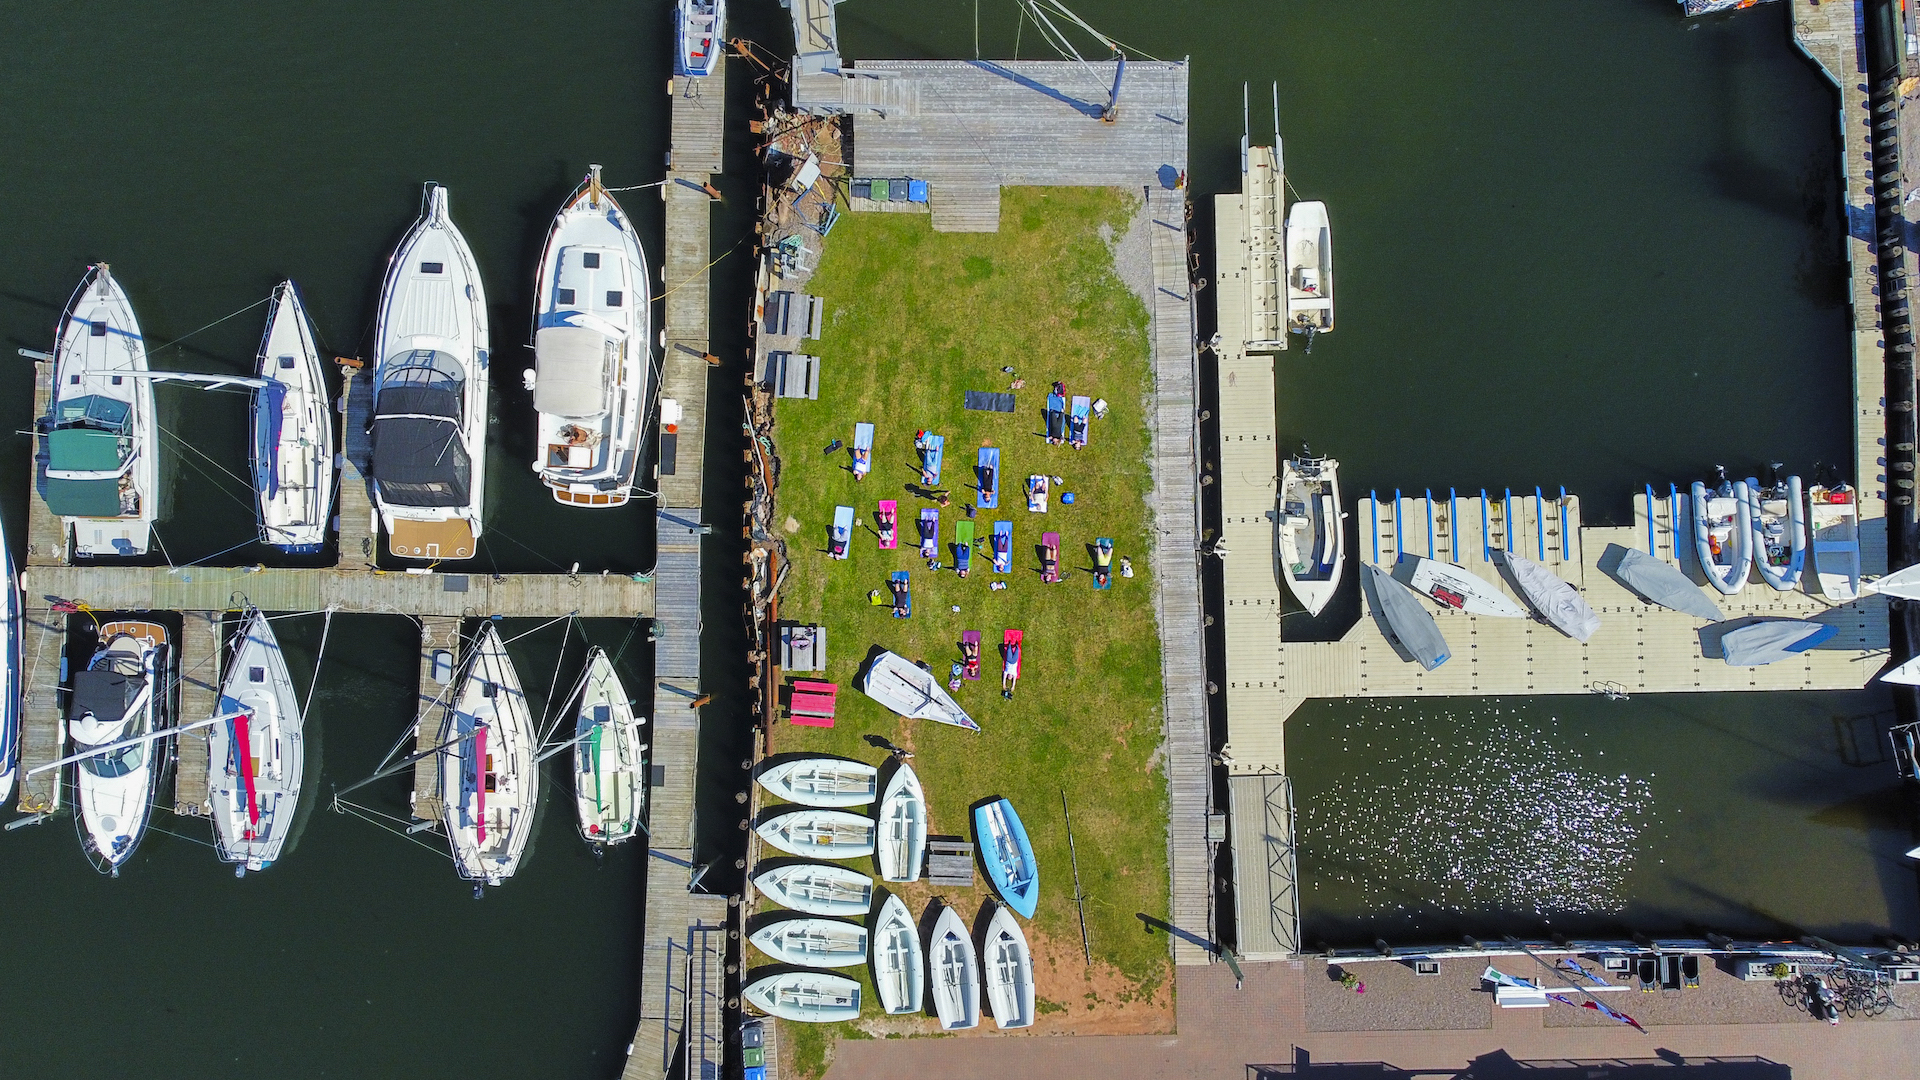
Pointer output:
x,y
1833,523
817,889
1007,963
831,782
813,942
106,508
907,689
489,783
1309,269
1779,520
807,997
253,816
1723,536
293,443
902,826
1454,587
898,965
698,31
1006,853
955,973
820,834
113,794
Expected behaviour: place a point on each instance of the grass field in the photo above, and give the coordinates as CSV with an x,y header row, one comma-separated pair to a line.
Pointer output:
x,y
914,318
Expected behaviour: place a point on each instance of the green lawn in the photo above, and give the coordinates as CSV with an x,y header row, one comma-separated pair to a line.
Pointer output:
x,y
915,317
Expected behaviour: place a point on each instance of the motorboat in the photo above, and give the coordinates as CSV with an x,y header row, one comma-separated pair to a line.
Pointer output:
x,y
1007,855
1833,526
1779,520
1404,620
1309,270
898,965
817,888
1723,533
609,757
489,781
1310,535
118,707
807,997
821,834
956,973
822,781
698,30
100,471
12,669
1007,963
430,392
1554,599
913,692
293,445
1454,587
256,758
592,349
902,817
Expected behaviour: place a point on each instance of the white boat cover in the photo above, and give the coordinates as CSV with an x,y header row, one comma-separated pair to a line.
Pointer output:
x,y
1771,640
1663,584
913,692
574,370
1408,621
1556,600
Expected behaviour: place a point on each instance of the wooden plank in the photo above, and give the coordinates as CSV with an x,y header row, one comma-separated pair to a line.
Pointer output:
x,y
353,518
212,588
40,734
200,675
46,535
436,633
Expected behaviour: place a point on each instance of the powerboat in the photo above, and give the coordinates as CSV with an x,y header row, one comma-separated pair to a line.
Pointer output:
x,y
430,392
489,781
101,469
117,716
293,446
1723,533
1008,965
609,760
898,965
256,758
698,29
1309,270
902,842
592,349
1310,531
1779,525
1833,522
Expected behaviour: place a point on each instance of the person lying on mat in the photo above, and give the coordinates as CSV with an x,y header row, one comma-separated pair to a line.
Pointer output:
x,y
862,461
970,655
887,526
900,599
1103,563
1010,674
1050,563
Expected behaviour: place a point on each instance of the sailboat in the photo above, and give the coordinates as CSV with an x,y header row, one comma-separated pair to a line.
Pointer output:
x,y
813,941
698,29
956,973
101,471
13,672
489,784
1454,587
821,781
897,964
609,760
293,447
118,706
806,997
817,888
902,840
1404,620
430,392
1008,964
256,760
592,348
1309,270
1310,530
1779,525
1723,533
913,692
1833,521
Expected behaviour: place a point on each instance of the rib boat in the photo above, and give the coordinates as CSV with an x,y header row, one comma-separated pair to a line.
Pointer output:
x,y
1558,603
256,760
913,692
592,348
822,781
808,997
489,783
903,826
1008,965
697,31
609,759
1723,534
430,392
1310,531
822,834
956,973
898,965
12,672
1833,520
1309,270
101,474
813,941
1779,519
817,889
1007,855
293,455
118,707
1405,620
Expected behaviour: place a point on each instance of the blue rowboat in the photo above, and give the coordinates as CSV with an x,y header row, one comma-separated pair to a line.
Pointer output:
x,y
1007,856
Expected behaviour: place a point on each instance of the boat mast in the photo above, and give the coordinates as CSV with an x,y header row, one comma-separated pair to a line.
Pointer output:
x,y
137,740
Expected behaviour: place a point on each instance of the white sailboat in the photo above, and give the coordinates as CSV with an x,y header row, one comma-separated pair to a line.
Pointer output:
x,y
1008,964
609,760
1309,270
592,347
913,692
956,973
1310,530
807,997
1454,587
257,759
822,781
1779,525
1833,522
489,783
430,392
118,706
821,834
101,469
812,941
903,827
12,672
1723,534
697,30
817,888
898,964
293,444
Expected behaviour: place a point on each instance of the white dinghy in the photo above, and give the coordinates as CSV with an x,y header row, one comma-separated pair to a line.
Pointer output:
x,y
489,783
1008,964
817,889
1309,270
256,760
293,455
819,834
1833,521
903,826
913,692
118,706
609,758
822,781
1310,531
1779,532
956,973
1723,534
101,474
807,997
898,965
1558,603
698,27
813,942
1454,587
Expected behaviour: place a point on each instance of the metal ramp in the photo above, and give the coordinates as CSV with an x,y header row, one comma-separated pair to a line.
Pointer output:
x,y
816,40
1265,872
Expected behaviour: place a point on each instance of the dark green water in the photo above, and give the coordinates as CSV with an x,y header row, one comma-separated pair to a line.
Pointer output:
x,y
1579,244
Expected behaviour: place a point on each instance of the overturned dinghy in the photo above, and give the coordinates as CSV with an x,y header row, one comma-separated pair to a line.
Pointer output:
x,y
1779,532
822,834
1008,964
1659,583
822,781
913,692
956,974
1772,640
1454,587
817,888
808,997
903,827
1557,601
899,967
813,942
1723,534
1406,621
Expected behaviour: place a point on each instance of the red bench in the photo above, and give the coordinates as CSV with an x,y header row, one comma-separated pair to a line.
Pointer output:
x,y
812,703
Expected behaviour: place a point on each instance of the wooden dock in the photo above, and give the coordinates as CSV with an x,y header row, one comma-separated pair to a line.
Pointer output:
x,y
438,634
200,666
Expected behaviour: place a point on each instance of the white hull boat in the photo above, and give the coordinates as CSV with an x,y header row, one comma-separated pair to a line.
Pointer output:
x,y
956,973
1454,587
101,474
822,781
12,625
913,692
1309,269
119,698
817,889
592,347
1558,603
813,942
489,783
1008,964
1310,530
699,26
430,392
819,834
807,997
903,826
293,454
609,758
1723,534
1779,532
256,761
899,967
1833,522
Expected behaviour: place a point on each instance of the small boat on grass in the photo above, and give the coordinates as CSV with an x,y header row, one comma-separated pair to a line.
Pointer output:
x,y
1454,587
293,455
1723,533
956,973
807,997
1310,531
898,965
913,692
1779,520
257,759
609,760
1309,270
822,781
118,705
817,889
903,826
697,31
1008,965
1007,855
1404,620
813,941
1558,603
820,834
489,782
1833,522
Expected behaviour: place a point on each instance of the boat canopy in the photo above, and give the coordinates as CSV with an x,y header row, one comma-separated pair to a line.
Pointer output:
x,y
104,694
419,461
83,498
424,382
575,367
86,450
96,411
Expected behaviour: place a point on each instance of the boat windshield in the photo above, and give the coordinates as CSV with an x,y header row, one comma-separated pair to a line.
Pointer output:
x,y
119,762
422,382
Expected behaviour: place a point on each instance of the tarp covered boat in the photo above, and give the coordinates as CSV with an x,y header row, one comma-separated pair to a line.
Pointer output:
x,y
1660,583
1772,640
1405,620
1556,600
